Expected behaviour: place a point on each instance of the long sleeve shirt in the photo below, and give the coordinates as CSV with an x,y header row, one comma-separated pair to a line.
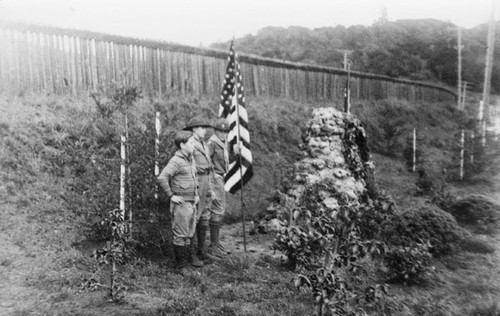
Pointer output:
x,y
218,153
179,177
201,157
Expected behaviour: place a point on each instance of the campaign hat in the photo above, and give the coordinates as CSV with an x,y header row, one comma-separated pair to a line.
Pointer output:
x,y
196,122
221,125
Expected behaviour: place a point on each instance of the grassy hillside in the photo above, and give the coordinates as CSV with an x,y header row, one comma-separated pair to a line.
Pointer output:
x,y
59,169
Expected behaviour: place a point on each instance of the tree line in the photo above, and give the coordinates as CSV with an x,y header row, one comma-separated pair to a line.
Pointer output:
x,y
413,49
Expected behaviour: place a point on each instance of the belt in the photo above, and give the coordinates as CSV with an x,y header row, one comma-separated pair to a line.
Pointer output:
x,y
204,172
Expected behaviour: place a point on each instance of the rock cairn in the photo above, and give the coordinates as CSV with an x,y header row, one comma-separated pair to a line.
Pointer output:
x,y
335,150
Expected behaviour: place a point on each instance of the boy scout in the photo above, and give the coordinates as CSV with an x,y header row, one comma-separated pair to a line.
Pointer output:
x,y
204,174
217,150
178,179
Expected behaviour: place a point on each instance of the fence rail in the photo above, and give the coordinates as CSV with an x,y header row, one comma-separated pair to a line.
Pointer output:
x,y
54,60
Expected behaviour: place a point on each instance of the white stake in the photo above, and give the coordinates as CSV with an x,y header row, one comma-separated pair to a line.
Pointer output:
x,y
482,122
462,141
157,151
414,166
472,140
122,176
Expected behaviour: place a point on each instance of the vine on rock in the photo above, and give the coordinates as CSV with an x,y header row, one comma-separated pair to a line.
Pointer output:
x,y
326,247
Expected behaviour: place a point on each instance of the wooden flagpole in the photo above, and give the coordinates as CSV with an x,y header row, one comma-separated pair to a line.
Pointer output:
x,y
237,105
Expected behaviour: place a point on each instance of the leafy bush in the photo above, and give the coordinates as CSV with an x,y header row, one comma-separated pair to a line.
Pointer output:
x,y
320,232
372,216
324,240
334,295
419,225
408,264
479,212
425,183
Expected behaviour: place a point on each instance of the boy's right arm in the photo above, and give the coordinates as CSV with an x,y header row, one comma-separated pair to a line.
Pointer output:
x,y
165,176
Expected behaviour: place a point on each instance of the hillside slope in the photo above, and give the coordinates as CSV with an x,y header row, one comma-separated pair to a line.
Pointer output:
x,y
59,177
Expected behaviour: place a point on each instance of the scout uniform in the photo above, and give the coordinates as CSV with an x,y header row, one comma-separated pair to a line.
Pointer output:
x,y
204,174
217,150
179,178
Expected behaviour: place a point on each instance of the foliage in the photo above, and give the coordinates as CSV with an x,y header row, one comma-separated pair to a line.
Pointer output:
x,y
335,296
477,211
408,263
115,253
356,151
415,49
322,240
373,214
422,225
425,182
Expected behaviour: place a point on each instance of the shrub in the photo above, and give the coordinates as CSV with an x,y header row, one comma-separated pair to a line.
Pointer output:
x,y
372,216
476,211
408,264
419,225
425,183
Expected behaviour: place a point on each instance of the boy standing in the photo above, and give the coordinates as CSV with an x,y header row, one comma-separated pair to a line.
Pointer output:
x,y
178,179
204,174
217,150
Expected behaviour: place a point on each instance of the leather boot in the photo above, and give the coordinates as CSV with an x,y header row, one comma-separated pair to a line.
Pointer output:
x,y
215,249
193,259
181,260
201,232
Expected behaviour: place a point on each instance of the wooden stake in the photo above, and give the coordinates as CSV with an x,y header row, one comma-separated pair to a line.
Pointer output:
x,y
129,178
157,151
122,175
462,141
489,61
414,166
463,95
459,83
472,145
482,123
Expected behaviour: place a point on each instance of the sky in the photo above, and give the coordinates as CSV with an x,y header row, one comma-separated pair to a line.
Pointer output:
x,y
202,22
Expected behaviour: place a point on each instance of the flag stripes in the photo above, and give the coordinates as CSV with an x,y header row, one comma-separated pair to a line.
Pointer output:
x,y
232,107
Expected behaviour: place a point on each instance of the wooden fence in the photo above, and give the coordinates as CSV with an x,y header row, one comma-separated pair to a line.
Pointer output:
x,y
54,60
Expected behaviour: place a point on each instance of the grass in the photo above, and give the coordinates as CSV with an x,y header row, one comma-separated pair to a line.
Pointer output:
x,y
44,257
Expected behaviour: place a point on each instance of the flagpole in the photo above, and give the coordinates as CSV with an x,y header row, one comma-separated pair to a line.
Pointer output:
x,y
239,150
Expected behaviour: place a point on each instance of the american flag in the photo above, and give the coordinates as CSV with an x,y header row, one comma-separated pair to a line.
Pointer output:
x,y
232,108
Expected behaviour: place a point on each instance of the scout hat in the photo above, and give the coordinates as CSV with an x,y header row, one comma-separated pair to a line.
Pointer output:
x,y
221,125
196,122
